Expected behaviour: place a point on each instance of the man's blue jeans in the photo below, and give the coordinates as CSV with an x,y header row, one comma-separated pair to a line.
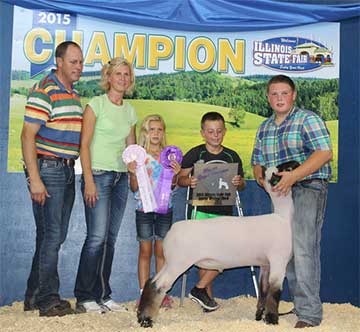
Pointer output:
x,y
303,271
52,221
103,224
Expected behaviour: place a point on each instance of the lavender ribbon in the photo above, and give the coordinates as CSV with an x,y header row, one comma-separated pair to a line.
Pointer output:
x,y
163,188
137,153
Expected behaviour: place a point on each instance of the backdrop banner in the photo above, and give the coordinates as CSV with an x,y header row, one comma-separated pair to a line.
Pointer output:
x,y
183,74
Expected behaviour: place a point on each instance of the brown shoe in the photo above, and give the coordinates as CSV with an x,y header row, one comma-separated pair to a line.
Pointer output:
x,y
32,306
301,324
58,310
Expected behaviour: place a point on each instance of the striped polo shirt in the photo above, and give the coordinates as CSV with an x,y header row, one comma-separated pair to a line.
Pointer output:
x,y
296,138
59,113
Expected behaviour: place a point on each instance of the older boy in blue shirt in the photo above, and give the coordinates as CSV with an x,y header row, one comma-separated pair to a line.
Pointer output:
x,y
296,134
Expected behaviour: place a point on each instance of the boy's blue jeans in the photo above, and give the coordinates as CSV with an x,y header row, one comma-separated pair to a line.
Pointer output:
x,y
52,221
103,224
303,271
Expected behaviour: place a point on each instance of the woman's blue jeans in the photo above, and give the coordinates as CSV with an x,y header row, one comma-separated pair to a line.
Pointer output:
x,y
52,221
103,223
303,271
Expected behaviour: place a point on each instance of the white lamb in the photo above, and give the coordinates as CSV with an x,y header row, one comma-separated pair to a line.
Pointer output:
x,y
228,242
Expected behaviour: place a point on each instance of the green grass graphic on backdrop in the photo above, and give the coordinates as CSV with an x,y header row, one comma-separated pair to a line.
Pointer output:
x,y
183,128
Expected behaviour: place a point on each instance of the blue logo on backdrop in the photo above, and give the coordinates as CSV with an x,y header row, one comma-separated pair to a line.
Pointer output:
x,y
291,54
49,30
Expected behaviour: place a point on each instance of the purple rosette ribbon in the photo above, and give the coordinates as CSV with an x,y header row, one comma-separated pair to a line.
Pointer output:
x,y
135,152
163,188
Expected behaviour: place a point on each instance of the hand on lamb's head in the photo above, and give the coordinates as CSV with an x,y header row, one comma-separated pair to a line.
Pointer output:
x,y
282,172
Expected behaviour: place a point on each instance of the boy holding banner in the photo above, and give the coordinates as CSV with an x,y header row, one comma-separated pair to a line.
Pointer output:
x,y
213,131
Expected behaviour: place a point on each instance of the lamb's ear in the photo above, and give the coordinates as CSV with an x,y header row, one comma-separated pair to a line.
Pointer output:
x,y
288,166
270,172
263,168
271,179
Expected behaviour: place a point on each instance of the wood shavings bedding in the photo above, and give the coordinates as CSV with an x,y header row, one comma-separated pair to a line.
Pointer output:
x,y
235,315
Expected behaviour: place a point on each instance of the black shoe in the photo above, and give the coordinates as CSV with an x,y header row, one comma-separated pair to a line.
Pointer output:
x,y
62,309
200,296
32,306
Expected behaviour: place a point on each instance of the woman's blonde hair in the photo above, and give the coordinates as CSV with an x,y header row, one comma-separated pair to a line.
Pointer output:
x,y
109,68
144,131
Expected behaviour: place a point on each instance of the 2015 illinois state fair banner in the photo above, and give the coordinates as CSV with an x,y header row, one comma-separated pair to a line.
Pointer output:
x,y
182,75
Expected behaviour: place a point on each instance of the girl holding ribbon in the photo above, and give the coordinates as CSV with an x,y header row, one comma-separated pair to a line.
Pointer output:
x,y
151,227
108,127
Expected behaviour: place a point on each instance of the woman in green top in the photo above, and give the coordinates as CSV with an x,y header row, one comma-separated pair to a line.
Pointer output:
x,y
108,127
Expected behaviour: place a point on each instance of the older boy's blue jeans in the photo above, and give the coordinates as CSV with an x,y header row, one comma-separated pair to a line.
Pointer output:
x,y
52,221
303,271
103,224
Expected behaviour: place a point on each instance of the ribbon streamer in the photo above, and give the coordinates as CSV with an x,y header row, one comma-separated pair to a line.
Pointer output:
x,y
135,152
163,188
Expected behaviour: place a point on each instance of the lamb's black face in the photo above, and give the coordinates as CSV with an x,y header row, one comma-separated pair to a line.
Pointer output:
x,y
275,179
284,167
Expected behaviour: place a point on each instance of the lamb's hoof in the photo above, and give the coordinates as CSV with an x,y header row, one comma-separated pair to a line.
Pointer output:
x,y
271,318
145,322
259,314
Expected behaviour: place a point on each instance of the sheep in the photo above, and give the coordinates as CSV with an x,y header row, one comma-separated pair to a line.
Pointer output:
x,y
228,242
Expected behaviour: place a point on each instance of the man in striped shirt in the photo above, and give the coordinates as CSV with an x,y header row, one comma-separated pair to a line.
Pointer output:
x,y
50,144
295,134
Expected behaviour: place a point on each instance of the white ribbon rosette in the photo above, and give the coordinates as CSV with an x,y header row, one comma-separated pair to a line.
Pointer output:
x,y
135,152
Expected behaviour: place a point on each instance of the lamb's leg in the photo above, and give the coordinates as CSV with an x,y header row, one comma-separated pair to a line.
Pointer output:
x,y
263,290
150,303
155,290
272,305
277,274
